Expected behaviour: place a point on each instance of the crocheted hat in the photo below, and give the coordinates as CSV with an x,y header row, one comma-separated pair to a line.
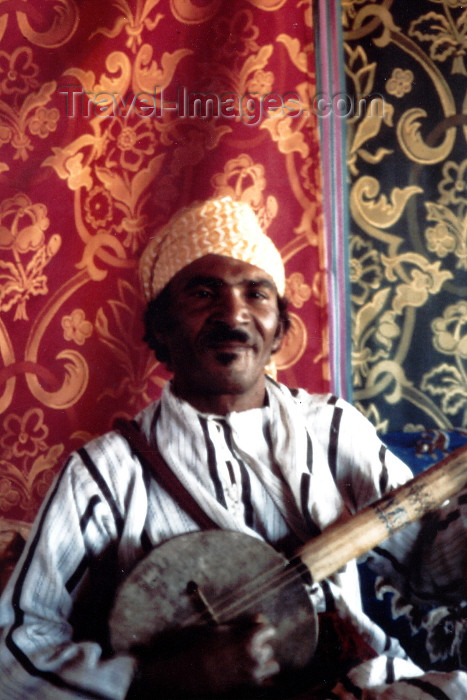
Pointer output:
x,y
220,225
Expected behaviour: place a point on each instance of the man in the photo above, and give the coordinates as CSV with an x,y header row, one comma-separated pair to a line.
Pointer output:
x,y
258,458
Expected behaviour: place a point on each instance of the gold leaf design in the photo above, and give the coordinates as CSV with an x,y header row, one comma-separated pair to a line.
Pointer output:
x,y
297,291
63,25
447,37
95,246
282,131
245,180
26,460
75,327
450,384
133,22
359,70
450,331
22,233
148,76
8,356
268,5
412,143
382,15
24,435
424,279
296,54
74,383
400,83
189,12
116,63
366,271
133,357
380,212
449,235
16,120
365,317
68,162
378,113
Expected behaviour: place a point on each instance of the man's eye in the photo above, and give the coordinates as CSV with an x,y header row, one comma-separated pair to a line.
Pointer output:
x,y
202,293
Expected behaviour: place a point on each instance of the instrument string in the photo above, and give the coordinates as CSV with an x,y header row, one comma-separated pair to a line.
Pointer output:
x,y
230,605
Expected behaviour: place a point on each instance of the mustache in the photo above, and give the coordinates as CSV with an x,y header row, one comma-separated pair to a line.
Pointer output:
x,y
224,334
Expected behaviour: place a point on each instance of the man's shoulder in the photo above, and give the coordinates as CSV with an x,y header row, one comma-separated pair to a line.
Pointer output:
x,y
324,407
111,446
307,398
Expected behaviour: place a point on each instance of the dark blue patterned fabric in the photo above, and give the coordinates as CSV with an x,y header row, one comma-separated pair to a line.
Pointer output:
x,y
419,450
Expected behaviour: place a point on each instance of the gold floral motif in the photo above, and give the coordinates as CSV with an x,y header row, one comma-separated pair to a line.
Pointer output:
x,y
62,23
118,331
449,235
448,382
380,212
44,121
365,323
311,176
133,22
371,112
116,160
236,35
245,180
297,291
24,435
193,12
290,132
453,186
423,280
26,487
450,330
98,207
447,35
387,329
30,114
128,145
298,54
22,232
75,327
18,72
112,168
366,271
261,83
8,496
26,461
350,9
400,83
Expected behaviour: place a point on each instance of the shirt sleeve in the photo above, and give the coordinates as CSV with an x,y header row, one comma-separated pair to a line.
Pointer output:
x,y
363,468
79,523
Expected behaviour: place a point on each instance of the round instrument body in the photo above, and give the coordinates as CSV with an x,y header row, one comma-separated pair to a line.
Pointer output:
x,y
238,575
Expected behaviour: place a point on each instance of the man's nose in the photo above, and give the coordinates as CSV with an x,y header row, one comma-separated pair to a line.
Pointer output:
x,y
232,308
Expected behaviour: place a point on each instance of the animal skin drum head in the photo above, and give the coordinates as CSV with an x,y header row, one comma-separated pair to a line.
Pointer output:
x,y
236,575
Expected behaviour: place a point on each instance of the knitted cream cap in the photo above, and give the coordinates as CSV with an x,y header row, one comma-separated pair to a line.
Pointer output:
x,y
222,226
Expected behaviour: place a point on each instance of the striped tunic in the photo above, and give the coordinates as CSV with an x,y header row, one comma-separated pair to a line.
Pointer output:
x,y
281,473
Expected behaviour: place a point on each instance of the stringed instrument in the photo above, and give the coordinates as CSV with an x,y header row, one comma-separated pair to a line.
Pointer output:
x,y
219,577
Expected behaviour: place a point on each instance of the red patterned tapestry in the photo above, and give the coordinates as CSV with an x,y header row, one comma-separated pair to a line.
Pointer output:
x,y
113,115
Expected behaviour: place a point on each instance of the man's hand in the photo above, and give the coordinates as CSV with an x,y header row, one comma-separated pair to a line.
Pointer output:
x,y
215,660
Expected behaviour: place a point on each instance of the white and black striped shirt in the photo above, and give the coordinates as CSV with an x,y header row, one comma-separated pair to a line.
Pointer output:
x,y
282,473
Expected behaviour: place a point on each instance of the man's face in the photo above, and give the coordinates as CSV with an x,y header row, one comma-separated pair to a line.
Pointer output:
x,y
224,326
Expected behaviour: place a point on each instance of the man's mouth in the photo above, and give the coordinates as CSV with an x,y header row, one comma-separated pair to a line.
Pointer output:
x,y
228,340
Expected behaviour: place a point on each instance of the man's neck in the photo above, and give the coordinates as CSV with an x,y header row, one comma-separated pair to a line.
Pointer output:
x,y
222,404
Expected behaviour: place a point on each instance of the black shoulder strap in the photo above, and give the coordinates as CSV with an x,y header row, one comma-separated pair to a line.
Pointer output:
x,y
152,458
